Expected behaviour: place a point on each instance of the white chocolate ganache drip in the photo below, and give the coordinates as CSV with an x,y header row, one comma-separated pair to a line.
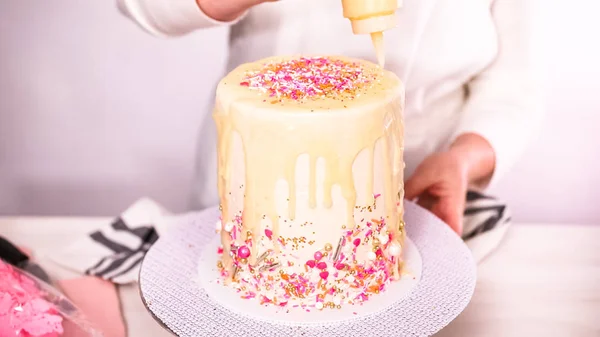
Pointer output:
x,y
310,175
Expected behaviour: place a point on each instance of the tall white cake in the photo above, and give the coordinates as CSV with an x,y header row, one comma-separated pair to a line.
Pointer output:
x,y
310,175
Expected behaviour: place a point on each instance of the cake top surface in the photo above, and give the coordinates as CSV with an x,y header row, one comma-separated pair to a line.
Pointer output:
x,y
310,81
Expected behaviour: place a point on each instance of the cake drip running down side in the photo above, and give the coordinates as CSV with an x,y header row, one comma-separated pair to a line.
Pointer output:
x,y
310,176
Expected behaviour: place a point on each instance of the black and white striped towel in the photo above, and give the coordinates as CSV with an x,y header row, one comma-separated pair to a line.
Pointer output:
x,y
485,222
115,251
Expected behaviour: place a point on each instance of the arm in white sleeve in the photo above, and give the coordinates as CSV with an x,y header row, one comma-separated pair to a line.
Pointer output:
x,y
503,102
166,18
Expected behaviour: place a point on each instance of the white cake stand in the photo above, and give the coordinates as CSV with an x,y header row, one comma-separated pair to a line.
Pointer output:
x,y
177,282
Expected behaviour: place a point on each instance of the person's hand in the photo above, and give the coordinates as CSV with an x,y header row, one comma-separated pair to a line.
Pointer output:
x,y
227,10
440,182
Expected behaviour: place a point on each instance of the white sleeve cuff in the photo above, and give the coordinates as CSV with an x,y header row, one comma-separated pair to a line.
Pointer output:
x,y
170,17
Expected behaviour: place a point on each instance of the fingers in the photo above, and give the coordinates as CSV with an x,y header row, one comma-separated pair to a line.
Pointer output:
x,y
450,210
419,182
427,201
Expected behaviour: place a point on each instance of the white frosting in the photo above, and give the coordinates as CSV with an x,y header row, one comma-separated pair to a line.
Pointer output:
x,y
285,145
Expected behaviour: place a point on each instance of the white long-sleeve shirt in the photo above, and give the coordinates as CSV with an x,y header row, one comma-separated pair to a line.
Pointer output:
x,y
467,65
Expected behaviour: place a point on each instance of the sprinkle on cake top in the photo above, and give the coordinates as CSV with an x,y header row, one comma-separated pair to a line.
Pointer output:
x,y
311,78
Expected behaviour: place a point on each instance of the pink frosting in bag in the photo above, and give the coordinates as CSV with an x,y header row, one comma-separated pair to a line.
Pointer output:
x,y
23,310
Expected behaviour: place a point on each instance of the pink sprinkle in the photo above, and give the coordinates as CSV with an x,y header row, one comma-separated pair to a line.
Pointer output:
x,y
305,78
23,309
220,250
377,195
356,241
318,256
310,263
324,274
322,265
340,266
268,233
250,295
243,252
369,232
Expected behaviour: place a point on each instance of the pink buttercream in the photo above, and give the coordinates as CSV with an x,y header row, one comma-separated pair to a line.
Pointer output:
x,y
23,311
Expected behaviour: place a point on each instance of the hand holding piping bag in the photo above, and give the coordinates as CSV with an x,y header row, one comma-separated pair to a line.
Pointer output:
x,y
366,16
227,10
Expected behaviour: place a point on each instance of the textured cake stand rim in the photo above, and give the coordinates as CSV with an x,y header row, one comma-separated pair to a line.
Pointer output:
x,y
415,208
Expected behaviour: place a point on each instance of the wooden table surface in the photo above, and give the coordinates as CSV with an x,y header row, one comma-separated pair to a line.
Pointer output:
x,y
544,280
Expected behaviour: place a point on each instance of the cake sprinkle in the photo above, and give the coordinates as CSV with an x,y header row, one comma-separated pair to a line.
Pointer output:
x,y
310,78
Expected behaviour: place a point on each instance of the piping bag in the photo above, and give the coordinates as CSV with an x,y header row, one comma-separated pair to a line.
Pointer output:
x,y
13,255
29,305
372,17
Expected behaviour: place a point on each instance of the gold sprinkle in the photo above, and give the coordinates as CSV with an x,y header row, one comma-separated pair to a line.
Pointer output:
x,y
376,241
261,257
269,266
243,261
219,264
328,247
338,249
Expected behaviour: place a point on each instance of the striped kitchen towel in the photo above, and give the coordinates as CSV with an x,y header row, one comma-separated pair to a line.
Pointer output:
x,y
485,222
115,251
